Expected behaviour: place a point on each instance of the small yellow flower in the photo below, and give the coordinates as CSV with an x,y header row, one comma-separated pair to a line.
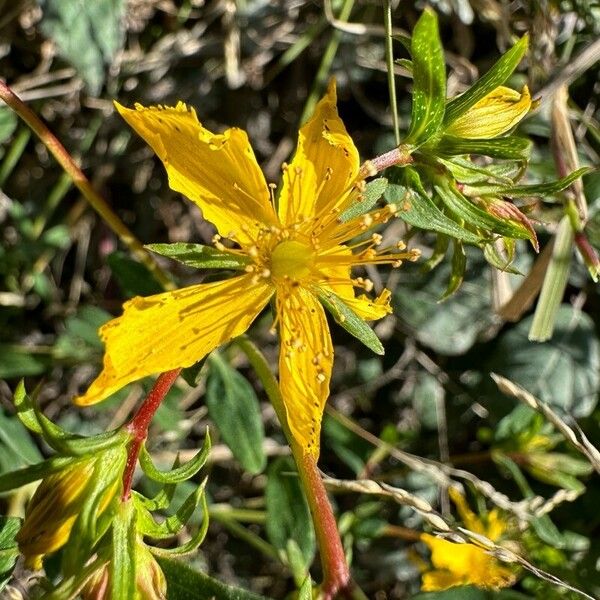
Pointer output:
x,y
466,564
296,248
493,115
56,504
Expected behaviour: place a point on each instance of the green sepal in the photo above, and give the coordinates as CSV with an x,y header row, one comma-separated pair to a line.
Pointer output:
x,y
442,242
373,192
178,474
200,256
429,80
92,522
422,211
60,440
192,544
496,76
457,274
536,189
16,479
461,207
510,148
163,497
173,524
350,321
122,566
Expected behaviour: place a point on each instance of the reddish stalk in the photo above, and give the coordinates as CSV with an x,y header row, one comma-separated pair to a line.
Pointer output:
x,y
81,181
336,575
397,156
138,426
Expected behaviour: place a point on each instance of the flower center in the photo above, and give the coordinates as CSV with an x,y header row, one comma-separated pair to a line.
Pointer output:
x,y
292,259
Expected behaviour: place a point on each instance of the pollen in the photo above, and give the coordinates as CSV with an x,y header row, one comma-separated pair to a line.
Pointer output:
x,y
292,260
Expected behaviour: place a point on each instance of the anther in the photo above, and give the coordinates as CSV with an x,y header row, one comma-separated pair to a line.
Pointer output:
x,y
401,245
265,273
321,377
376,238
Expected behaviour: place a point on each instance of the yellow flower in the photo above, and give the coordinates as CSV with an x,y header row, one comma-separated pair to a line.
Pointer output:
x,y
56,504
466,564
493,115
296,249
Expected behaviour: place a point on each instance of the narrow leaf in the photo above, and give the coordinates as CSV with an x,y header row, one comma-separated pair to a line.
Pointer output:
x,y
511,147
422,211
371,195
350,321
186,584
555,282
539,189
463,208
199,256
429,80
9,550
234,407
288,516
496,76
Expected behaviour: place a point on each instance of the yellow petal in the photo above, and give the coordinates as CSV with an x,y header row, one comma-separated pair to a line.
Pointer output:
x,y
493,115
468,517
305,363
174,329
464,564
325,166
339,281
218,172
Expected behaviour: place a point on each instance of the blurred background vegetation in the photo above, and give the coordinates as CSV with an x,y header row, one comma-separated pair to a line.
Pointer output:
x,y
261,66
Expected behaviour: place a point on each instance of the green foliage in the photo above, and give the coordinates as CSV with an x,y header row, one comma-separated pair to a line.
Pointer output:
x,y
87,34
184,583
199,256
564,372
429,80
9,551
350,321
235,410
288,516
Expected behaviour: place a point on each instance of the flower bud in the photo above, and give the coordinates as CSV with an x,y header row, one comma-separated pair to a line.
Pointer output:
x,y
493,115
60,498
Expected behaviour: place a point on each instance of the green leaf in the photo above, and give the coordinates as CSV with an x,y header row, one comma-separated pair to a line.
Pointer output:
x,y
133,277
20,477
87,34
453,327
177,474
370,196
429,80
9,549
564,372
8,123
511,147
18,447
537,189
288,516
350,321
20,361
184,583
422,212
235,409
496,76
122,565
201,257
462,208
466,171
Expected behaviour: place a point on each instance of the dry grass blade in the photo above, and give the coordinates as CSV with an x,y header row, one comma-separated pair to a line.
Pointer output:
x,y
447,531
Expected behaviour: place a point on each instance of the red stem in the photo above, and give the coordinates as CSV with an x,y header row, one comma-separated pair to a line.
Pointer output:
x,y
138,426
336,576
